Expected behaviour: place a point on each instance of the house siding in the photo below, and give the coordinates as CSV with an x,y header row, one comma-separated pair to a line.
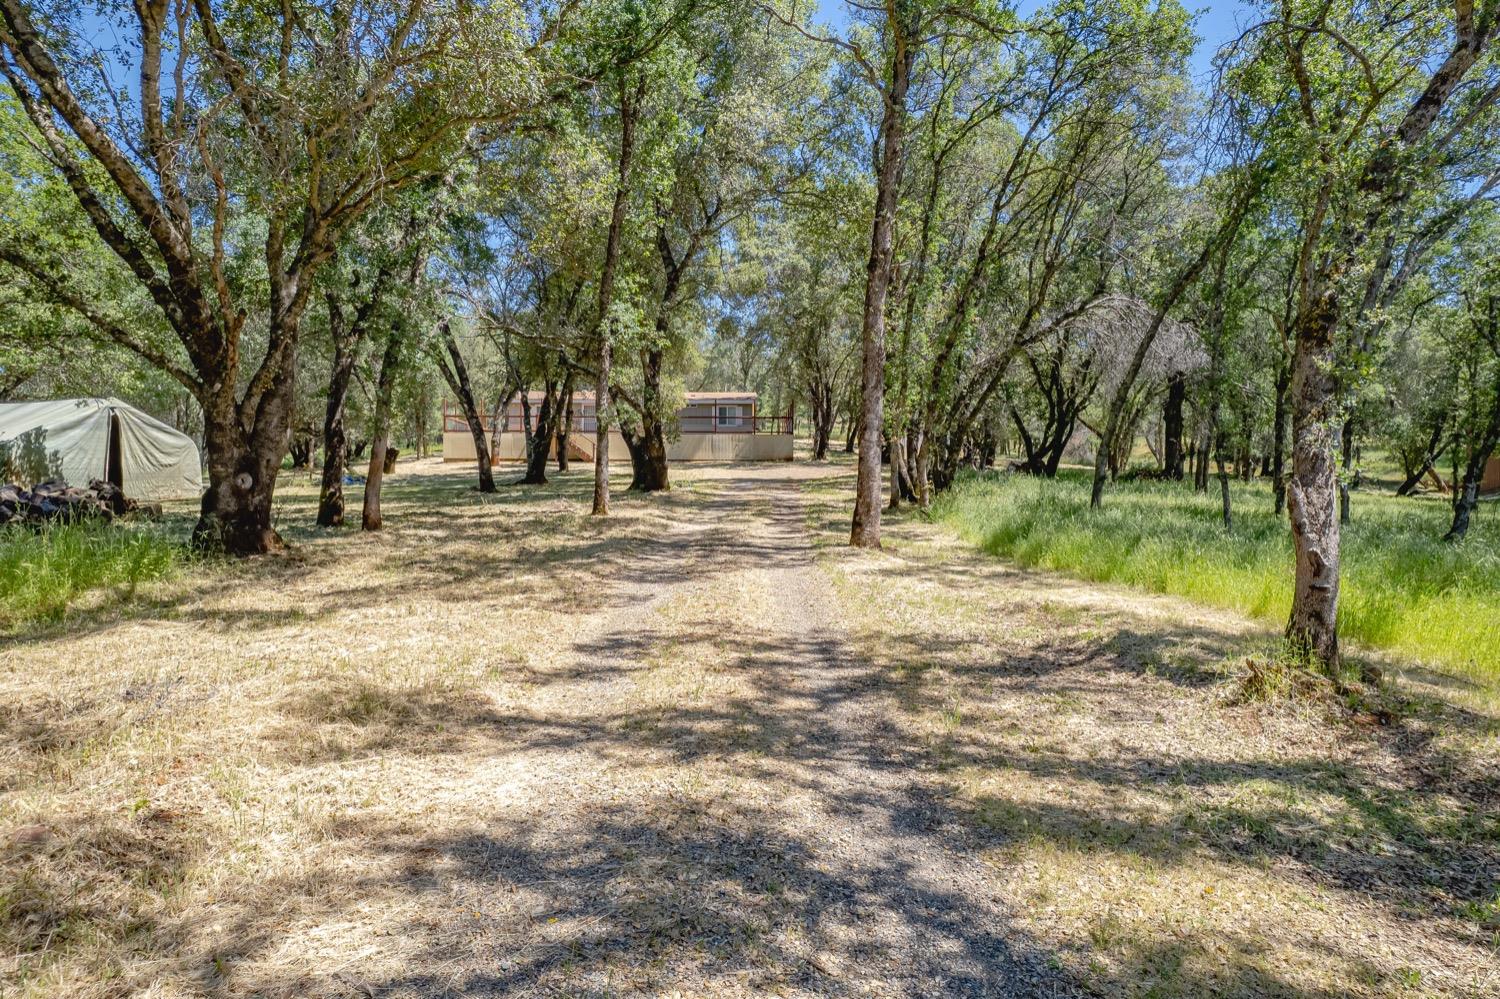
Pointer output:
x,y
712,427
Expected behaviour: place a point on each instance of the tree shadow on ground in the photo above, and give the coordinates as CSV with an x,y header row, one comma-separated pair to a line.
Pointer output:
x,y
446,542
744,894
1178,808
659,895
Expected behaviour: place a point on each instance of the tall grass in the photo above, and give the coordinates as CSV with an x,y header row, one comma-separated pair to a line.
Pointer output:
x,y
1404,589
43,571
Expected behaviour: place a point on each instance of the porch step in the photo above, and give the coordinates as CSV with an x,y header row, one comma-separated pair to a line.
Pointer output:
x,y
580,448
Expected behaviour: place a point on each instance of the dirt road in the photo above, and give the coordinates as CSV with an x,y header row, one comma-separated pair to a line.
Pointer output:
x,y
701,750
739,811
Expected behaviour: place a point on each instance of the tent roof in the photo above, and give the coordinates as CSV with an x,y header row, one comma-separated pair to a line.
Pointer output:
x,y
72,439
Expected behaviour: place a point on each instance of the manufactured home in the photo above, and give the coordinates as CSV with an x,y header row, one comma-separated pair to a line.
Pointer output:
x,y
711,426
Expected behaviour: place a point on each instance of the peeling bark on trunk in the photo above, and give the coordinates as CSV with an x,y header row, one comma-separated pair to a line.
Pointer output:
x,y
1312,490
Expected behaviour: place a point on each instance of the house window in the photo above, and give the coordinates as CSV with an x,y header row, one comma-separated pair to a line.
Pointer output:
x,y
729,416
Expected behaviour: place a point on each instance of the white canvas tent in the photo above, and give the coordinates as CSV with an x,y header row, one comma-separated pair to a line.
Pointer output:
x,y
77,440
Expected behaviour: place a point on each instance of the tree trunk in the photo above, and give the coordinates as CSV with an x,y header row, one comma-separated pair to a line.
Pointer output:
x,y
1223,485
1409,484
301,450
385,386
648,459
347,337
565,422
423,408
942,469
1172,426
1466,497
335,443
1430,456
498,418
1278,438
822,417
865,529
457,378
1312,490
540,440
1384,183
235,515
649,469
1464,501
628,112
911,449
897,463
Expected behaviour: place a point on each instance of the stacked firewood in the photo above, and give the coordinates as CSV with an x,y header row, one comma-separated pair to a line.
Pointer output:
x,y
57,501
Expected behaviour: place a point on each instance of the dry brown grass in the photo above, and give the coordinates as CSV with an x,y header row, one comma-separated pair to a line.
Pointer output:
x,y
203,788
1163,838
504,749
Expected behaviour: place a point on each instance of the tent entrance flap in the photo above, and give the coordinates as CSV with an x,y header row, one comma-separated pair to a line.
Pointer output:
x,y
114,470
79,440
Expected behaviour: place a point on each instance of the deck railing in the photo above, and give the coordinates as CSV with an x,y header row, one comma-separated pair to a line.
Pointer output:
x,y
454,421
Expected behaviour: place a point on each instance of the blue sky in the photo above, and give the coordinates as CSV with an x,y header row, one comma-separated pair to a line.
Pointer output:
x,y
1216,24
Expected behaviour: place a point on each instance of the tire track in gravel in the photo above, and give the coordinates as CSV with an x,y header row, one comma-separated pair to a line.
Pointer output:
x,y
920,899
671,859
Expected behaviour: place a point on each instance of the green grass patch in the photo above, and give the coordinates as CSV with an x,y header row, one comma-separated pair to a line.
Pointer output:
x,y
1404,589
44,571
